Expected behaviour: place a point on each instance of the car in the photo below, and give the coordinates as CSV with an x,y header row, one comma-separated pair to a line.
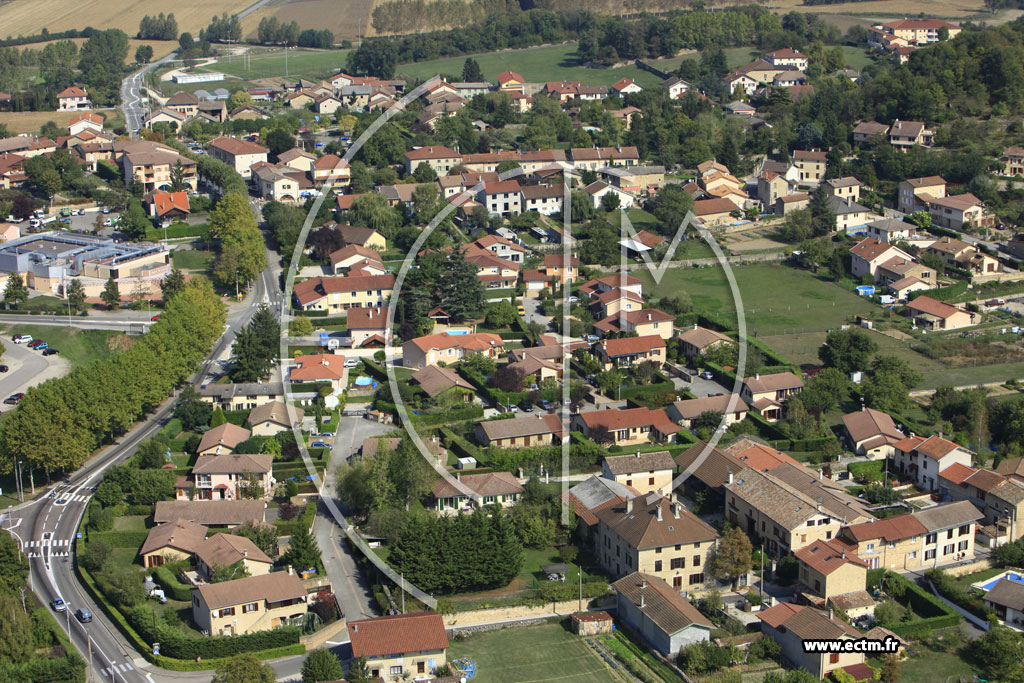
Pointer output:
x,y
58,605
155,317
34,343
547,405
106,210
520,310
50,352
319,444
83,615
593,338
66,220
513,408
41,346
80,212
14,399
352,363
573,299
526,407
4,368
706,375
995,302
21,338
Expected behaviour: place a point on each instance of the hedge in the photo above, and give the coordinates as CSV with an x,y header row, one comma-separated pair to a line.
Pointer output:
x,y
175,589
303,521
237,417
460,447
922,602
943,293
308,387
470,412
208,664
175,644
178,230
324,322
781,439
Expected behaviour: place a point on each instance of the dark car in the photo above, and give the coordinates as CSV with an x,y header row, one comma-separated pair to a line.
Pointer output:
x,y
83,615
547,405
526,407
50,352
4,368
14,399
320,444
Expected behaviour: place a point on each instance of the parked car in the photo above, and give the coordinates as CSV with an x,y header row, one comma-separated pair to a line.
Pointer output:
x,y
4,368
547,405
706,375
155,317
513,408
41,346
14,399
34,343
58,605
593,338
80,212
83,615
526,407
320,444
21,338
995,302
352,363
106,210
50,352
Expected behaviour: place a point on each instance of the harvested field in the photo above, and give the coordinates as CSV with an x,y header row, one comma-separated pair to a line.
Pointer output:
x,y
32,121
349,19
29,17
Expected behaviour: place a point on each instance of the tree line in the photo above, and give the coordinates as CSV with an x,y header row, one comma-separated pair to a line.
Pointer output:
x,y
273,32
158,27
60,423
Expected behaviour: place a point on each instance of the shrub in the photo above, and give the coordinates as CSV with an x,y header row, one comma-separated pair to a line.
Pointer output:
x,y
175,590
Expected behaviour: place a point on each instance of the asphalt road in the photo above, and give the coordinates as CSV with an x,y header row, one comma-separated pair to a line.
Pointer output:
x,y
132,89
28,368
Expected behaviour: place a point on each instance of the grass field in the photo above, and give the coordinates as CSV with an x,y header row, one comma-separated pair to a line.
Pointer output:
x,y
301,63
77,346
526,655
32,121
191,259
776,299
536,64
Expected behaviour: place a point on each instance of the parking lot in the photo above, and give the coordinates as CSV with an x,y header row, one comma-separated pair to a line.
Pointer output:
x,y
26,368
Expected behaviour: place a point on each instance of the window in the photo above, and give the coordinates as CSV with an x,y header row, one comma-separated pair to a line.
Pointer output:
x,y
396,670
657,565
965,529
679,547
948,549
929,554
828,535
696,560
931,539
871,547
833,658
962,545
677,582
678,563
650,481
949,534
817,586
696,578
421,667
251,607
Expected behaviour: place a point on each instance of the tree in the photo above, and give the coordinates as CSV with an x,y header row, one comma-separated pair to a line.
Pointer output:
x,y
13,564
302,552
152,454
500,314
471,71
239,98
461,292
263,535
244,667
15,293
177,182
134,221
75,293
143,54
321,665
172,283
228,572
16,641
217,418
610,201
848,350
243,254
279,141
1000,652
508,378
731,558
300,326
192,410
424,173
256,347
357,671
890,671
111,295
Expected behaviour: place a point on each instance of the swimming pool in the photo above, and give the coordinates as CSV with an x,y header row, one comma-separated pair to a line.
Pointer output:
x,y
1009,576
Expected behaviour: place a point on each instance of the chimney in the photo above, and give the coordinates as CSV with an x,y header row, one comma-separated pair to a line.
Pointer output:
x,y
675,510
757,375
355,628
290,570
695,326
643,583
730,478
819,506
458,476
642,602
830,614
659,511
844,554
245,553
629,505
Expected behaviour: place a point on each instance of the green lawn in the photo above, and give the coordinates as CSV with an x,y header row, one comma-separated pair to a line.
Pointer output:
x,y
304,63
525,655
130,523
934,667
192,259
78,346
536,64
776,299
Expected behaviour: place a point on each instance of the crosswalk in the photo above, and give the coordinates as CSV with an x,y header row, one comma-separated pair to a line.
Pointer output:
x,y
116,668
53,543
58,547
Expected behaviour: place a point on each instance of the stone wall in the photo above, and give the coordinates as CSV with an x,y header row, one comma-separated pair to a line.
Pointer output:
x,y
329,632
523,612
969,568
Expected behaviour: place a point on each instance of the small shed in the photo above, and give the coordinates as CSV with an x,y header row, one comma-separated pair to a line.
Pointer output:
x,y
592,623
468,463
555,571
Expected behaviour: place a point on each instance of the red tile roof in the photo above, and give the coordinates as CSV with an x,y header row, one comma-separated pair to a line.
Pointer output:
x,y
628,346
166,202
431,152
398,634
318,366
237,146
710,207
891,529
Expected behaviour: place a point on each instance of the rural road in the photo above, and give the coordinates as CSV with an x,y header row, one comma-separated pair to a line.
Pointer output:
x,y
131,95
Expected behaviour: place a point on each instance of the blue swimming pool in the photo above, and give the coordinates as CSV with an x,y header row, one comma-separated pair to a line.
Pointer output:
x,y
1010,576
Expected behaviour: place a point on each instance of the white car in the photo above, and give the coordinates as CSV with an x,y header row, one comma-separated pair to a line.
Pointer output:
x,y
22,338
352,363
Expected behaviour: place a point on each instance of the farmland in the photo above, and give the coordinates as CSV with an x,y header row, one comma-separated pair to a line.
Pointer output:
x,y
535,653
349,19
32,121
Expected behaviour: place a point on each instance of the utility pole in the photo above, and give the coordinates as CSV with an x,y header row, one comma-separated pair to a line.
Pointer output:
x,y
581,589
761,585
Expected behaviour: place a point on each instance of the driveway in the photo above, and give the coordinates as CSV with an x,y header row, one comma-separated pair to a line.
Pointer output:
x,y
27,369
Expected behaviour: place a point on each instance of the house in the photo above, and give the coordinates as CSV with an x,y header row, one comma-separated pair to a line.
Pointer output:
x,y
715,212
645,322
511,81
897,269
368,326
185,103
950,532
959,254
685,413
1000,498
869,253
787,517
921,459
502,248
919,31
905,134
274,417
932,314
226,550
542,429
211,513
300,99
871,432
228,477
171,542
222,439
599,189
277,183
916,194
1013,161
167,205
441,160
865,130
255,603
72,98
939,535
828,569
400,646
634,179
296,158
846,187
546,200
765,394
787,57
217,110
1006,599
903,288
589,497
337,294
561,268
790,625
739,109
363,237
153,169
331,171
709,469
435,381
1012,468
643,472
622,280
354,257
850,216
493,488
891,230
655,535
738,81
626,426
960,212
792,202
666,620
697,340
319,367
593,158
625,86
238,153
434,348
775,180
501,198
811,165
625,352
248,112
86,121
12,172
241,396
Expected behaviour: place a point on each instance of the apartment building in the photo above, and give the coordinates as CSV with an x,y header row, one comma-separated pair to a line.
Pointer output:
x,y
238,153
921,459
153,169
337,294
1000,498
915,194
644,472
811,165
227,477
440,159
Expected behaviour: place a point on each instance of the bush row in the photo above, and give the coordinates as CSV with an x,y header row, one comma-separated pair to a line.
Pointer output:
x,y
176,590
937,613
176,644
